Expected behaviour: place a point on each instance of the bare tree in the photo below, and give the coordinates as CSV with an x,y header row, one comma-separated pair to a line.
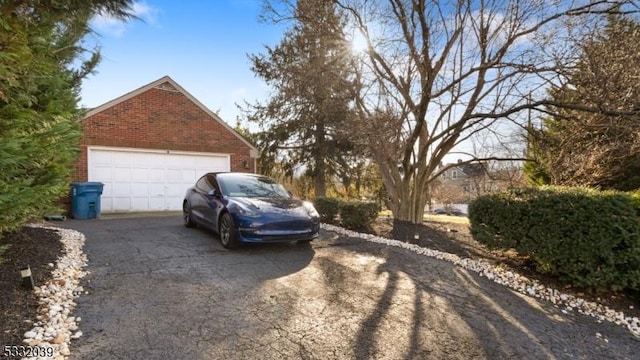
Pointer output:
x,y
447,194
436,72
504,168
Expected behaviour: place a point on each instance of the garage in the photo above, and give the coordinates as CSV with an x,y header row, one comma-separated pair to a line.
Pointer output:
x,y
148,180
149,145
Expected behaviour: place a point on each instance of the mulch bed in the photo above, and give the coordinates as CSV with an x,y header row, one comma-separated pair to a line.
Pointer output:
x,y
38,248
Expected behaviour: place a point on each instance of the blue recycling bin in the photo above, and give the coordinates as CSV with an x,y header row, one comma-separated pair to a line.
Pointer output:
x,y
85,200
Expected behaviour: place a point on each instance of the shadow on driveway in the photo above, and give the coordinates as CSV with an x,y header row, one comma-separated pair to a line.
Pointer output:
x,y
157,290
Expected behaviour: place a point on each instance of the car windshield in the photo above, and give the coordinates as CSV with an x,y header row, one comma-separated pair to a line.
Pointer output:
x,y
239,185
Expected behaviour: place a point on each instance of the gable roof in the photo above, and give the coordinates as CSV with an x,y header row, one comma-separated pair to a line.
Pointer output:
x,y
168,83
473,169
468,169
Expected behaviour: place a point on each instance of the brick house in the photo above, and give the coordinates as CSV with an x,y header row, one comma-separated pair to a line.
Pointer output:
x,y
149,145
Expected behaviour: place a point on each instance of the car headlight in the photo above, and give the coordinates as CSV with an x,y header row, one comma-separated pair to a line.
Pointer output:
x,y
246,211
310,209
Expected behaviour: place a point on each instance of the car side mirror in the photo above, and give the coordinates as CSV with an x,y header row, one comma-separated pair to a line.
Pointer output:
x,y
213,193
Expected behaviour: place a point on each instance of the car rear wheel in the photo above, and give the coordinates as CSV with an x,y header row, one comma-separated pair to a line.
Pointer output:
x,y
186,215
227,233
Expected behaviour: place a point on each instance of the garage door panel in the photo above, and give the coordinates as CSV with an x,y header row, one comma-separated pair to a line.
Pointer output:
x,y
104,172
121,204
157,204
106,202
156,160
156,190
121,189
148,180
121,158
140,174
177,161
121,173
199,172
157,175
202,162
140,203
174,203
107,191
176,189
140,190
174,175
190,176
189,161
102,157
140,159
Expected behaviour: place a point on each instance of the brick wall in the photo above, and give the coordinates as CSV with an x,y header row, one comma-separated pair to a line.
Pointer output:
x,y
162,119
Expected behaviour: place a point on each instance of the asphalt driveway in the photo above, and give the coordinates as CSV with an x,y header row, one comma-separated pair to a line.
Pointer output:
x,y
158,290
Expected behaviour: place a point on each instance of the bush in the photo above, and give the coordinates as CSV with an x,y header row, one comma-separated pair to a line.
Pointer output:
x,y
586,237
498,220
328,208
356,215
635,199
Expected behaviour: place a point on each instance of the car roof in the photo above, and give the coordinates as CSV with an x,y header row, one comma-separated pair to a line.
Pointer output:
x,y
232,173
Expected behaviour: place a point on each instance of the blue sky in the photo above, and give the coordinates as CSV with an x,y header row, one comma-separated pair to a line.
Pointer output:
x,y
202,45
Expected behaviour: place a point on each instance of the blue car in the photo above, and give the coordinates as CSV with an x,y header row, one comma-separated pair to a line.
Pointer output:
x,y
249,208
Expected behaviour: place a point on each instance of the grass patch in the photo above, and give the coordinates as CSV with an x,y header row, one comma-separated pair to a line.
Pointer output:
x,y
386,213
446,219
434,218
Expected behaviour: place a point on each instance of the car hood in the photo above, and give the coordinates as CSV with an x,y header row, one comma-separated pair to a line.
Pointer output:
x,y
288,206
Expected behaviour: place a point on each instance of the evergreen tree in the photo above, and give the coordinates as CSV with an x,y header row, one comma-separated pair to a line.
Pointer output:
x,y
42,65
304,120
602,148
534,169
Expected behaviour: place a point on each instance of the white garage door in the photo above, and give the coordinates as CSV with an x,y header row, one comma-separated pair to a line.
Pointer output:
x,y
147,180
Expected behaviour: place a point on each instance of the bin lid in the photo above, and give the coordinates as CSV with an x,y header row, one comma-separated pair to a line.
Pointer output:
x,y
87,183
85,187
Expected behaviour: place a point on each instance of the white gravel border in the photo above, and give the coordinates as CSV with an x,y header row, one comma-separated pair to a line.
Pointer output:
x,y
55,326
510,279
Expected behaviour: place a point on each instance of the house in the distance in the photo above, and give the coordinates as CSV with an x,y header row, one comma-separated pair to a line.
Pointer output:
x,y
462,182
151,144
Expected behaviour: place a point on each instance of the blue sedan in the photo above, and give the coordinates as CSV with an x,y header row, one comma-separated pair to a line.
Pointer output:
x,y
249,208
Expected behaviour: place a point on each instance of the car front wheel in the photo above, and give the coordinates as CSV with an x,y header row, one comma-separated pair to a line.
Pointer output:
x,y
228,236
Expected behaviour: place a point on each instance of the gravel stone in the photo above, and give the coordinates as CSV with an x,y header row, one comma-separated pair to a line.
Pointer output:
x,y
54,326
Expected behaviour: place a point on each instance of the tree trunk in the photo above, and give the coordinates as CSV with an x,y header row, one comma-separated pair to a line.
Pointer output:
x,y
412,212
409,206
320,169
319,179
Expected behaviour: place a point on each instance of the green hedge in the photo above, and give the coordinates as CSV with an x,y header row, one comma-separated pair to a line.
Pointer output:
x,y
353,215
586,237
356,215
635,198
328,208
